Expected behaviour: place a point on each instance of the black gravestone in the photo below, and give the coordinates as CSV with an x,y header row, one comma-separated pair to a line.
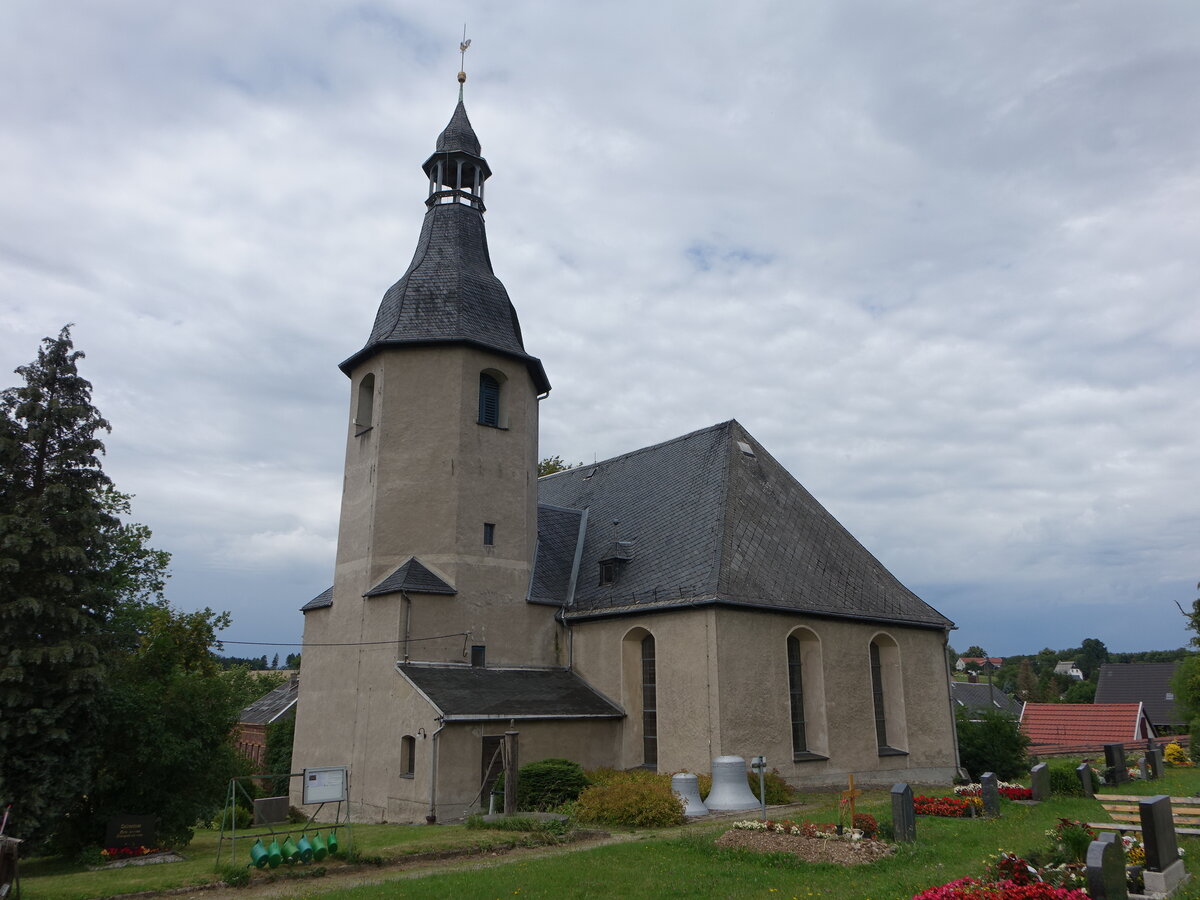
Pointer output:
x,y
1106,869
1154,758
990,785
1040,781
904,819
1084,771
131,831
1114,761
1158,832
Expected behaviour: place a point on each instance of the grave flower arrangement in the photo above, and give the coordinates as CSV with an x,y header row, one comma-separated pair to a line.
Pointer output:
x,y
973,889
112,854
865,827
1007,789
1175,755
950,807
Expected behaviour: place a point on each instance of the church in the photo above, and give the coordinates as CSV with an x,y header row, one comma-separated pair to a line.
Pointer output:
x,y
658,609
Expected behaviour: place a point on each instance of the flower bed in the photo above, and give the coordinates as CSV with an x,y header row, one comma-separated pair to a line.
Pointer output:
x,y
973,889
1011,791
864,827
809,841
112,854
950,807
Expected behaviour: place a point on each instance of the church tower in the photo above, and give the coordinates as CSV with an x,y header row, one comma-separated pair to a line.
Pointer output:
x,y
438,525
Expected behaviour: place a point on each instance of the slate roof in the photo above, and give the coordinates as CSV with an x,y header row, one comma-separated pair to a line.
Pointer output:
x,y
1084,724
412,577
476,693
458,134
554,561
711,524
322,600
983,697
1147,683
449,294
273,705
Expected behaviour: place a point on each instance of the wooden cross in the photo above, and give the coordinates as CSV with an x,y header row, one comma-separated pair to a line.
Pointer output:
x,y
848,797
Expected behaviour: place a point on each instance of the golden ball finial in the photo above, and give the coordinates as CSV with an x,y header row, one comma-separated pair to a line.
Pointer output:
x,y
462,77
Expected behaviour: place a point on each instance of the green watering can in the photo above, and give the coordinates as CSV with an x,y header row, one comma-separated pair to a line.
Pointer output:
x,y
289,851
333,848
304,849
274,857
258,855
320,851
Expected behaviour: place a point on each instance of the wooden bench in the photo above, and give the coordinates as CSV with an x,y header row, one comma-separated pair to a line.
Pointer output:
x,y
1185,812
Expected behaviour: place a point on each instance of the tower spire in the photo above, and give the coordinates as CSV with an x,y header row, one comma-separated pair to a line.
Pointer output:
x,y
463,46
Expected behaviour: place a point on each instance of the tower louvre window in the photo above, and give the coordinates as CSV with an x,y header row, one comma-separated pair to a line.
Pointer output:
x,y
364,413
489,400
489,534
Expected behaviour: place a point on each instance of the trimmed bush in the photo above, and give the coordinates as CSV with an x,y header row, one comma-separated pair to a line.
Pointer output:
x,y
544,785
778,790
638,798
1064,781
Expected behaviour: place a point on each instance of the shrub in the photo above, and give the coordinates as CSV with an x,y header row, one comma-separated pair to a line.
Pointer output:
x,y
1064,780
1175,755
235,876
778,791
546,784
991,742
636,801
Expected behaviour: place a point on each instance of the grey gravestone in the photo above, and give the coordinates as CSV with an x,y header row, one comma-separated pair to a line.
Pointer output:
x,y
131,831
1084,771
1164,869
991,793
1154,758
1040,781
1114,761
1106,869
904,819
1143,769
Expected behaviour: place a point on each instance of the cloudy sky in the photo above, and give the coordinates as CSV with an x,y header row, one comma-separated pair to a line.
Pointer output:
x,y
941,258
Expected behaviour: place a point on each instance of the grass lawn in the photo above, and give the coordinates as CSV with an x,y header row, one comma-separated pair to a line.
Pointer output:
x,y
668,863
52,878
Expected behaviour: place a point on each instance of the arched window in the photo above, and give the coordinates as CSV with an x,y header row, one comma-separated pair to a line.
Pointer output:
x,y
887,693
489,400
364,413
408,755
806,696
649,705
796,694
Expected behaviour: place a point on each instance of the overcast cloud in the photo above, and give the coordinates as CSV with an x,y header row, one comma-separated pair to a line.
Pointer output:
x,y
939,257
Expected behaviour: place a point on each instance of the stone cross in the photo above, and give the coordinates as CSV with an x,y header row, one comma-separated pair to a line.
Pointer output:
x,y
904,819
1040,780
1154,758
1106,869
1114,759
991,793
1084,771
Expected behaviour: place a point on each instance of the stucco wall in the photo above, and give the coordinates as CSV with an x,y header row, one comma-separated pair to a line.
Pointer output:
x,y
722,686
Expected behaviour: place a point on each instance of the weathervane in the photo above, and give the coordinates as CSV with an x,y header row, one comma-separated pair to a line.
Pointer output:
x,y
462,65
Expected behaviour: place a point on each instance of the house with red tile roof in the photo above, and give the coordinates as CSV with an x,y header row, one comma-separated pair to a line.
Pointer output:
x,y
1073,726
977,662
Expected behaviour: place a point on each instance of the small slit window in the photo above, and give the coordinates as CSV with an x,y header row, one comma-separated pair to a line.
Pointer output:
x,y
489,534
364,413
489,400
408,754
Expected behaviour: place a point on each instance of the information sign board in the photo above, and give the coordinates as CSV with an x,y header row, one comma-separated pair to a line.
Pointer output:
x,y
326,784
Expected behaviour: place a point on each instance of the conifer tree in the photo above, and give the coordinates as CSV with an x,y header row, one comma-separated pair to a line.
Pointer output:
x,y
55,585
